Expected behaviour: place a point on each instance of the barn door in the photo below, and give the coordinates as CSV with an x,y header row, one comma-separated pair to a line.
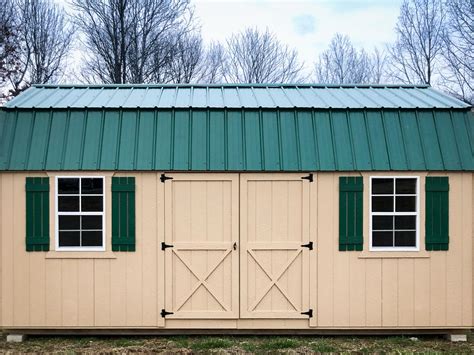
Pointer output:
x,y
275,246
201,260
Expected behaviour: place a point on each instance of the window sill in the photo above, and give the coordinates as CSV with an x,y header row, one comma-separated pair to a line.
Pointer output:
x,y
395,255
80,255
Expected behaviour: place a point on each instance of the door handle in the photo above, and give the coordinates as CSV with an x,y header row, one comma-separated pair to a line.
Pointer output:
x,y
234,246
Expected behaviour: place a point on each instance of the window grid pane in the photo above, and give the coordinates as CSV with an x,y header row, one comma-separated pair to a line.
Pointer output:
x,y
93,233
403,229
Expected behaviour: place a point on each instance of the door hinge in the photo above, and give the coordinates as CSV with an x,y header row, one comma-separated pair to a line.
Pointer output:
x,y
308,313
309,245
163,178
164,313
309,177
164,245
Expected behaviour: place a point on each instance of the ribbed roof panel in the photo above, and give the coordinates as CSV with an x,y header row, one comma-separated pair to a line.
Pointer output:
x,y
234,96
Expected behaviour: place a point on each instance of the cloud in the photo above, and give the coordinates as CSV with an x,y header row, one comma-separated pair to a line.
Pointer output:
x,y
304,24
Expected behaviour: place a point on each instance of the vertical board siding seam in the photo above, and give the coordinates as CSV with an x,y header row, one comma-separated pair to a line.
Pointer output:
x,y
46,148
83,140
173,116
138,118
281,164
417,119
437,139
351,140
208,140
298,141
153,138
382,113
460,160
66,134
262,141
30,135
402,131
118,139
1,251
101,140
369,145
15,122
316,149
331,128
226,140
12,252
190,138
381,292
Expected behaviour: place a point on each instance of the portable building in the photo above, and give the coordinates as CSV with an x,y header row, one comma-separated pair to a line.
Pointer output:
x,y
238,208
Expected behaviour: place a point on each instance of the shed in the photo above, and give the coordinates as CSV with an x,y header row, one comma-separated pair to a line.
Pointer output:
x,y
238,208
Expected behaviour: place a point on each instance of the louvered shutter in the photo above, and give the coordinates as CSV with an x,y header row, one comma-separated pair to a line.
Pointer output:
x,y
437,213
37,214
123,214
350,213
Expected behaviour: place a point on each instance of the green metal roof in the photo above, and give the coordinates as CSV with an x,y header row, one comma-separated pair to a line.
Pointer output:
x,y
236,139
234,96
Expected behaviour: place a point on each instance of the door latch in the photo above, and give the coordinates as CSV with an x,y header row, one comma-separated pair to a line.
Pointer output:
x,y
234,246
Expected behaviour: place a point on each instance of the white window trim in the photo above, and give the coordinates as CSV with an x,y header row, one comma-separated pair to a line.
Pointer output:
x,y
395,249
79,249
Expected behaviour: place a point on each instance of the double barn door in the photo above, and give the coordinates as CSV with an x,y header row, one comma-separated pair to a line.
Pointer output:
x,y
237,246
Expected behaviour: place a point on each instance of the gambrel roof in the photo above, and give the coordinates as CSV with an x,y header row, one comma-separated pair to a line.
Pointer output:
x,y
236,128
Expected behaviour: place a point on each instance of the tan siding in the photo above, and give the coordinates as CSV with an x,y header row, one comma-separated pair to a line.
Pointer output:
x,y
350,289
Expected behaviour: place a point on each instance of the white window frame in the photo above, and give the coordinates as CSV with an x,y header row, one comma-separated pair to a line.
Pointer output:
x,y
416,213
57,213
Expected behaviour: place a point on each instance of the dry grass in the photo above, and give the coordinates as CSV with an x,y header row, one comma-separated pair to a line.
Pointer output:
x,y
236,345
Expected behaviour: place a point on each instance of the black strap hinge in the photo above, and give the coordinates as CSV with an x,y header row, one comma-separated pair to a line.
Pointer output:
x,y
308,313
164,245
164,313
163,178
309,177
309,245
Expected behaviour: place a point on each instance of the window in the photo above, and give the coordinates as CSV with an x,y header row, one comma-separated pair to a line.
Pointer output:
x,y
394,213
80,213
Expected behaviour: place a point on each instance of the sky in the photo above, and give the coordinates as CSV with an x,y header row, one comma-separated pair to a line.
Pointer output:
x,y
306,25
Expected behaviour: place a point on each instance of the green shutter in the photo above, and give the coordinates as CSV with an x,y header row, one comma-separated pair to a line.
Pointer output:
x,y
350,213
437,213
37,214
123,214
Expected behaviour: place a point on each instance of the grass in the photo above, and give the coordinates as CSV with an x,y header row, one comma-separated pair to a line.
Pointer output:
x,y
237,345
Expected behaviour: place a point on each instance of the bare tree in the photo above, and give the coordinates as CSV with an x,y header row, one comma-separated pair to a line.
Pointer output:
x,y
259,57
212,66
45,38
458,54
378,66
187,59
9,42
416,53
342,63
131,40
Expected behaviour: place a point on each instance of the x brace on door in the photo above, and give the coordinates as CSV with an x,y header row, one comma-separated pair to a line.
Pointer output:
x,y
273,280
202,280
